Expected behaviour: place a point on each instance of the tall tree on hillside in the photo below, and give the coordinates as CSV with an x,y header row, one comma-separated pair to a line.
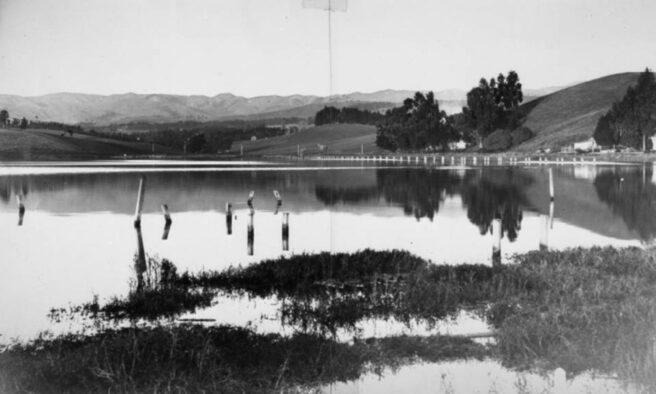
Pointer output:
x,y
23,123
631,120
492,105
4,117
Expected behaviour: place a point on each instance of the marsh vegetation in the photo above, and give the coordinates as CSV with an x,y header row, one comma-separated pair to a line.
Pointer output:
x,y
579,309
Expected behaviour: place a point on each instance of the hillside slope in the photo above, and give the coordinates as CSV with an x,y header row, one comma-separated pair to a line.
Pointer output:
x,y
571,114
338,138
37,144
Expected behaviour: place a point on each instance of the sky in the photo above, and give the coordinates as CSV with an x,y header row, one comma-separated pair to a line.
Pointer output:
x,y
263,47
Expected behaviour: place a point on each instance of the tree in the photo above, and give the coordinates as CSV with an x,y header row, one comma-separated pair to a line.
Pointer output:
x,y
631,120
4,117
196,143
23,124
493,105
417,124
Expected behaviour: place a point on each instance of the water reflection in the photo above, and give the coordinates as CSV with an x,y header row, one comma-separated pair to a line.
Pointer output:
x,y
631,195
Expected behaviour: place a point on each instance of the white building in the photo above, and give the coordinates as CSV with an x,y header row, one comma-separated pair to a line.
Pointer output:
x,y
586,146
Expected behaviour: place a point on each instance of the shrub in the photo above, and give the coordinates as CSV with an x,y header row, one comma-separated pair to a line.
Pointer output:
x,y
521,134
499,140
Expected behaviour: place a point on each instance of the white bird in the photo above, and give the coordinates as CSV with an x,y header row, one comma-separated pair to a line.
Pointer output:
x,y
251,195
277,195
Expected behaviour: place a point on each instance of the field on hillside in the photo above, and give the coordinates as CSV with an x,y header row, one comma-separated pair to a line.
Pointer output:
x,y
337,138
39,144
570,115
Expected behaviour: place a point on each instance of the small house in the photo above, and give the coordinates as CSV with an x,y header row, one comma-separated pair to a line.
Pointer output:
x,y
586,146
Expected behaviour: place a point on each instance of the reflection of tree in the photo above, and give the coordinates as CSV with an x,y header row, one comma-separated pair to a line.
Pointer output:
x,y
630,197
13,185
419,191
344,195
495,194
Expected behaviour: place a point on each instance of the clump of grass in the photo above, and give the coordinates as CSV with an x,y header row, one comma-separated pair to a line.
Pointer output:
x,y
328,291
194,358
156,294
597,312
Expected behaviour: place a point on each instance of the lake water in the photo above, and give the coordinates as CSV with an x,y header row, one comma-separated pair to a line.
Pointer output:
x,y
76,239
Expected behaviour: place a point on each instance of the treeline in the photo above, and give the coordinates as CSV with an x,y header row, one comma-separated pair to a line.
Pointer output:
x,y
6,121
208,139
68,128
491,119
631,121
330,115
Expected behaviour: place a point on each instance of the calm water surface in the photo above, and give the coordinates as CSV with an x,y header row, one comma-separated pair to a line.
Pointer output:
x,y
76,239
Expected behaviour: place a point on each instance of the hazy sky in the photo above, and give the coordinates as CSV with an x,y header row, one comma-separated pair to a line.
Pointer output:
x,y
258,47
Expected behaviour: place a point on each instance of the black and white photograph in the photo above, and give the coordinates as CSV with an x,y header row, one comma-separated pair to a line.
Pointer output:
x,y
327,196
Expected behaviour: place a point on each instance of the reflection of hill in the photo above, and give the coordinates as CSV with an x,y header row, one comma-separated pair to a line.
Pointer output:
x,y
194,191
486,193
576,202
630,197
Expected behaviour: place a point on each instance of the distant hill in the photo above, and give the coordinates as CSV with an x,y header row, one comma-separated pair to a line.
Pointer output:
x,y
166,108
571,114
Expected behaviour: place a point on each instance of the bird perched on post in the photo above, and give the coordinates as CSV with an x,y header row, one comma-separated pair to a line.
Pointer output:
x,y
251,195
279,199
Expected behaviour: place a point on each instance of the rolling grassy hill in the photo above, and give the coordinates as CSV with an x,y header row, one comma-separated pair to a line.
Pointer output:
x,y
339,138
38,144
570,115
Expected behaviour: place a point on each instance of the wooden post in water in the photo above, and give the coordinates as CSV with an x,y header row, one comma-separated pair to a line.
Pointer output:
x,y
21,209
551,185
559,381
249,202
442,160
544,232
250,234
285,231
278,198
496,245
167,221
140,200
241,150
228,209
140,263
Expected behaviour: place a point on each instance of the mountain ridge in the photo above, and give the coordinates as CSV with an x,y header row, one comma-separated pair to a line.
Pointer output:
x,y
67,107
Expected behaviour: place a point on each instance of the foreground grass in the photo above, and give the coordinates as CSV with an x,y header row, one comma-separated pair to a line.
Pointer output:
x,y
193,358
580,309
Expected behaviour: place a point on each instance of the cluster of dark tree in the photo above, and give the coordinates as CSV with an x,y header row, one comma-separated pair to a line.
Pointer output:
x,y
492,113
417,124
208,139
68,128
631,121
330,115
491,118
6,121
